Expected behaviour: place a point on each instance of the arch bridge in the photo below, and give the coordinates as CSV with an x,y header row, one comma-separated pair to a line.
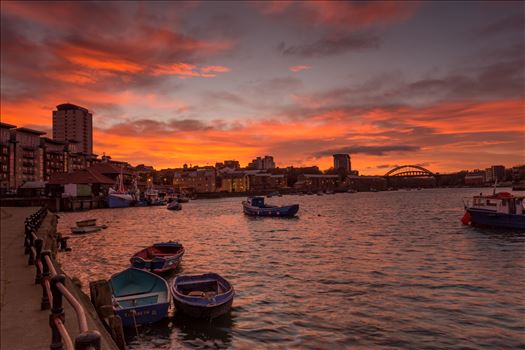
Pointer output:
x,y
409,171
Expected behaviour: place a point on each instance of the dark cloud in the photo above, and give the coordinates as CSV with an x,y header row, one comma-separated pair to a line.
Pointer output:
x,y
149,127
370,150
509,24
330,46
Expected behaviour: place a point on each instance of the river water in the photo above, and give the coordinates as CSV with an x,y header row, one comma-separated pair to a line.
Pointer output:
x,y
382,270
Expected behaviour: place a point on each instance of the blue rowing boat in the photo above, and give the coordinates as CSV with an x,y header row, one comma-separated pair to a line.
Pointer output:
x,y
159,258
255,206
139,297
202,296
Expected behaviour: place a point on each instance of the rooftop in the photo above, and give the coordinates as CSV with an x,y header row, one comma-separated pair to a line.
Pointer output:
x,y
7,126
69,106
30,131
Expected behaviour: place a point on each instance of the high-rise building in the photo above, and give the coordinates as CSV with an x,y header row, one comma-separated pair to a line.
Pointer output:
x,y
342,161
6,155
71,122
262,163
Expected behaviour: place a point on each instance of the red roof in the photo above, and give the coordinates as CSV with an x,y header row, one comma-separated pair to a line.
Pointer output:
x,y
84,176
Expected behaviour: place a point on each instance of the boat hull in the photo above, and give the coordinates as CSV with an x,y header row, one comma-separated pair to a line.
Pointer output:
x,y
493,219
119,201
285,211
201,307
207,312
143,315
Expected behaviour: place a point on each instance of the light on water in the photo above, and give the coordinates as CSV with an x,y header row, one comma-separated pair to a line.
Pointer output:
x,y
363,270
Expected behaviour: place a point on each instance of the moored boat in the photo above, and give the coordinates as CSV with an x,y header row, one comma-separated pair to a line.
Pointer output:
x,y
159,258
255,206
119,198
86,229
174,205
202,296
501,209
139,297
86,222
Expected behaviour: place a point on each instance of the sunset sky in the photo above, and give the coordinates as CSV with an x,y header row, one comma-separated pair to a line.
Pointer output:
x,y
392,83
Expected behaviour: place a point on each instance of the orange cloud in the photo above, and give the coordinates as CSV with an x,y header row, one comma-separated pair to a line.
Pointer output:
x,y
296,69
185,70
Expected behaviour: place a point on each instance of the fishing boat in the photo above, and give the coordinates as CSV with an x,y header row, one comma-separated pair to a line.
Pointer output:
x,y
159,258
255,206
497,210
174,205
202,296
139,297
87,222
119,197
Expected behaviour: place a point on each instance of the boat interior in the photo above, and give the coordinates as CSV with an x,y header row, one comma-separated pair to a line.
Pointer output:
x,y
204,289
131,289
156,251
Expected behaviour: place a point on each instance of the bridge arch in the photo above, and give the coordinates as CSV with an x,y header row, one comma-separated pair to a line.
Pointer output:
x,y
409,170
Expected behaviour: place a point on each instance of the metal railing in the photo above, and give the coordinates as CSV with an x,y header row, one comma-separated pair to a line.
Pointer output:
x,y
54,289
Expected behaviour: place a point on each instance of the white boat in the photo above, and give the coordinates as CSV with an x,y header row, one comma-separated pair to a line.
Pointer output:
x,y
119,198
502,209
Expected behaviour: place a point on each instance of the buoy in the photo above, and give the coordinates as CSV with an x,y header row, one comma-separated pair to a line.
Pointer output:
x,y
466,218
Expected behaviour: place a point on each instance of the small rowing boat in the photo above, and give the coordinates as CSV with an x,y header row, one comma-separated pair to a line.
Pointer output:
x,y
202,296
139,297
159,258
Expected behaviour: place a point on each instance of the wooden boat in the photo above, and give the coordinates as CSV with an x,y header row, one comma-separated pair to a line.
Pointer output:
x,y
139,297
255,206
502,210
86,229
174,205
87,222
202,296
159,258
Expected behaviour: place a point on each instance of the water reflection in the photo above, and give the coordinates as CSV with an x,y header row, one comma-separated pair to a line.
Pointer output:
x,y
363,270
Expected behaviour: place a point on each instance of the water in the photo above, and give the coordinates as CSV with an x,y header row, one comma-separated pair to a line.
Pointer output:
x,y
366,270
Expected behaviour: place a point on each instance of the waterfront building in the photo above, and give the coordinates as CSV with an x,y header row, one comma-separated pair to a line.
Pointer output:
x,y
342,162
195,179
53,157
234,182
259,163
518,172
498,173
263,182
316,182
27,161
72,122
475,178
6,155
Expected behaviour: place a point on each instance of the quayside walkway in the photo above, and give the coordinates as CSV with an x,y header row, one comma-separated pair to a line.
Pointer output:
x,y
23,324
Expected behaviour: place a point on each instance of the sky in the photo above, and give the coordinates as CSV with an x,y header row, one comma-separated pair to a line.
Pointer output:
x,y
436,84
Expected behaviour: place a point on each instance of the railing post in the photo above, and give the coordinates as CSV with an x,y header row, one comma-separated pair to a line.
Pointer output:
x,y
27,239
38,247
44,304
57,311
88,340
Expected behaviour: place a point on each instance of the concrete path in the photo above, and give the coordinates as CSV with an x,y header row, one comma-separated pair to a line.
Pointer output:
x,y
23,325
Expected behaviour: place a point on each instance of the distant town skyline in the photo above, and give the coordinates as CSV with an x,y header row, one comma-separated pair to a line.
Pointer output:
x,y
391,83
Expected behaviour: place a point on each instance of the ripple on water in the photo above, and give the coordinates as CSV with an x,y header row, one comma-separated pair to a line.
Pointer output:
x,y
364,270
